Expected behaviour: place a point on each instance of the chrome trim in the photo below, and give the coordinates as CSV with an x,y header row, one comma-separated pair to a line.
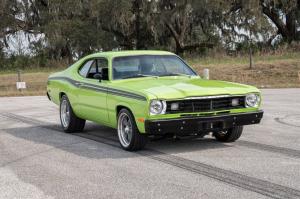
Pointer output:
x,y
210,97
163,111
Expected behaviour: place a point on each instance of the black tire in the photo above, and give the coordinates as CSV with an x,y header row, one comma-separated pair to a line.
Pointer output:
x,y
231,135
138,140
74,124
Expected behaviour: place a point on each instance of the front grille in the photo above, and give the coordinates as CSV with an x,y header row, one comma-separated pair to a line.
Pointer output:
x,y
205,105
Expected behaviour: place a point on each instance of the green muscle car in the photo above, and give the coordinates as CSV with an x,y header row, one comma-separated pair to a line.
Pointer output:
x,y
150,93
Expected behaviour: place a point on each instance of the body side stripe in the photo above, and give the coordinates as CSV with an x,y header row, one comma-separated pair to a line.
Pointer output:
x,y
100,88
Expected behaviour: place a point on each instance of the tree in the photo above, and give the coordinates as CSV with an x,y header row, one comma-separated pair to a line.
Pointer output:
x,y
179,18
128,21
11,20
67,26
73,28
281,14
285,16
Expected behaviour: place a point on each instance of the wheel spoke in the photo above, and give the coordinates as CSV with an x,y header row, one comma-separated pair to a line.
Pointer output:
x,y
127,137
65,113
125,122
124,129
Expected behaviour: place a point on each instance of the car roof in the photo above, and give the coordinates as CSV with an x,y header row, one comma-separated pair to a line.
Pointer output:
x,y
112,54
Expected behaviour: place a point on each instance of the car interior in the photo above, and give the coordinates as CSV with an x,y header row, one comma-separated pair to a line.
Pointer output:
x,y
95,69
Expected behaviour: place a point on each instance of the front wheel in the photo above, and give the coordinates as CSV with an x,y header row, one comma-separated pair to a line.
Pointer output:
x,y
69,121
230,135
129,136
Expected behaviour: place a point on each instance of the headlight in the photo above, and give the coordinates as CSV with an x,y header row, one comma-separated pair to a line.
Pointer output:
x,y
252,100
158,107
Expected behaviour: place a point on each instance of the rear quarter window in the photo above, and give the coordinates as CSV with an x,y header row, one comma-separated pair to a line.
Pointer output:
x,y
83,71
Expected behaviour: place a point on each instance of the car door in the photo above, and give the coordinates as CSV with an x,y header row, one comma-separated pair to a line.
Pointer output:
x,y
93,92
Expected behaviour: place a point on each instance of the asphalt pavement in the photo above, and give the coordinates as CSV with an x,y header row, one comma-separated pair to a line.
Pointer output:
x,y
38,160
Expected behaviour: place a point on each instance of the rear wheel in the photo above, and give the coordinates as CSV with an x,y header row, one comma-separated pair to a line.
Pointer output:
x,y
69,121
129,136
229,135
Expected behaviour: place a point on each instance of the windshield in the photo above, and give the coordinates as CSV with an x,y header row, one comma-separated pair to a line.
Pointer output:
x,y
149,65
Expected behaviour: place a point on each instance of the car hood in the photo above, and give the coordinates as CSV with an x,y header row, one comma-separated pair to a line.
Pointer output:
x,y
182,87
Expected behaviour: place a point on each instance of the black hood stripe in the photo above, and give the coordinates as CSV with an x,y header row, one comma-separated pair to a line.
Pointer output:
x,y
100,88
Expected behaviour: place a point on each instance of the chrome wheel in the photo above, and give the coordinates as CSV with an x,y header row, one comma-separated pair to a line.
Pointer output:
x,y
124,129
65,113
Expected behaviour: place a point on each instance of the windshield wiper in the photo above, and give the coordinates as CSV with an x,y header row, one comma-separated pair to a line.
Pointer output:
x,y
138,75
174,74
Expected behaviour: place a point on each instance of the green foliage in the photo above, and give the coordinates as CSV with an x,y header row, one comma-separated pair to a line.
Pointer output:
x,y
70,29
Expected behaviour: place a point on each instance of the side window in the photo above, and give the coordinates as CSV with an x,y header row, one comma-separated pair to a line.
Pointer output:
x,y
93,70
85,68
102,63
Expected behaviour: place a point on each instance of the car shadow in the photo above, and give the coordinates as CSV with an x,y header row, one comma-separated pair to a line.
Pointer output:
x,y
50,135
170,145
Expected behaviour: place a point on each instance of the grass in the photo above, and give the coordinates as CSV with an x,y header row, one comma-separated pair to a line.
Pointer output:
x,y
269,71
35,82
217,60
30,70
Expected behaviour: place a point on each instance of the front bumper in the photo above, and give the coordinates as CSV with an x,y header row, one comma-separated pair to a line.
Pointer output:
x,y
188,125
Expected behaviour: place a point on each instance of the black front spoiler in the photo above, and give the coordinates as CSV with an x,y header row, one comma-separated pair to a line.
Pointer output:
x,y
188,125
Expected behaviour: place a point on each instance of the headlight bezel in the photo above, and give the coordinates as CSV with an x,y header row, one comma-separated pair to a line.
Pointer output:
x,y
163,108
249,103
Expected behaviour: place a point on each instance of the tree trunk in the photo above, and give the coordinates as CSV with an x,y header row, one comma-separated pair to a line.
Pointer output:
x,y
291,25
137,12
179,49
250,58
288,31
